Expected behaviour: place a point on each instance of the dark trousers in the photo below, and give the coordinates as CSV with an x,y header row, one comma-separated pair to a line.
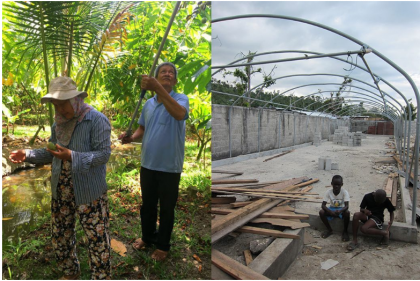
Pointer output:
x,y
158,187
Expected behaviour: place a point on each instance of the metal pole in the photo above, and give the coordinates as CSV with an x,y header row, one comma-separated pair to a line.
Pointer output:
x,y
143,92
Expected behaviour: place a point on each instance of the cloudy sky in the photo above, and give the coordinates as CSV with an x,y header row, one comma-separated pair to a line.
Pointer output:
x,y
390,28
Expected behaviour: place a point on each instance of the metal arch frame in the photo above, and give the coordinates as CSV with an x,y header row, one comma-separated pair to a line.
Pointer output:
x,y
364,46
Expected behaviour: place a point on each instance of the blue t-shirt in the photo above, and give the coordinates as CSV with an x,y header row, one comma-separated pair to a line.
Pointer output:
x,y
164,136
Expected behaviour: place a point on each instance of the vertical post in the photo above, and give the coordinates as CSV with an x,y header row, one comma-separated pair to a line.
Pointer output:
x,y
230,131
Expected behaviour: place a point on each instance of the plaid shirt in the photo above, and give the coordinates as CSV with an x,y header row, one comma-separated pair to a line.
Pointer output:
x,y
90,147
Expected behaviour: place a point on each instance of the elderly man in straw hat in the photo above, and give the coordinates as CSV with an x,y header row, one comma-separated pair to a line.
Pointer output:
x,y
162,128
82,141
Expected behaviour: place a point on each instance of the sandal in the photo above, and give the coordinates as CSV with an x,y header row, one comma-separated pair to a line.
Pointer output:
x,y
326,234
345,237
352,246
139,244
159,255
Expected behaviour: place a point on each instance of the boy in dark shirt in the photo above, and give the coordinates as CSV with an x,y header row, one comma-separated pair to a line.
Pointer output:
x,y
372,215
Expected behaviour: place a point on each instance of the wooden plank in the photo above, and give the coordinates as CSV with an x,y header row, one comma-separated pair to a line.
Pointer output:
x,y
234,268
237,214
394,191
301,184
218,274
269,232
248,257
280,209
273,196
286,183
260,190
281,222
236,222
240,204
223,200
283,215
388,187
278,155
226,172
223,206
234,181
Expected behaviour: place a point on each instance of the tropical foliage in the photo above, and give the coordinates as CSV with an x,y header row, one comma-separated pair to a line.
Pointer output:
x,y
105,47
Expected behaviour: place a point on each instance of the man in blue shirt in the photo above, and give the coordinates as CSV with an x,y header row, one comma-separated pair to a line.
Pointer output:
x,y
162,127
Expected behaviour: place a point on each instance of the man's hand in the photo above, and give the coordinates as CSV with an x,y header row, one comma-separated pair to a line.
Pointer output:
x,y
125,139
150,83
17,156
367,212
61,153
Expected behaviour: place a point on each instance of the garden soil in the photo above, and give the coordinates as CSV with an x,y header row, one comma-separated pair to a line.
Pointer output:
x,y
360,175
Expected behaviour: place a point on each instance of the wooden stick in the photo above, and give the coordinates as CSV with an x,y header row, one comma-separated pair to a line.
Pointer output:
x,y
223,200
281,154
248,257
227,172
274,196
233,181
282,215
234,268
260,191
270,232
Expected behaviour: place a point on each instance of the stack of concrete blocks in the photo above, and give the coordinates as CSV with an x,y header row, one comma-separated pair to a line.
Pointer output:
x,y
358,139
317,138
327,164
339,133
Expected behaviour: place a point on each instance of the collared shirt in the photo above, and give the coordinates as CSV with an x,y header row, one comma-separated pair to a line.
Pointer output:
x,y
164,137
90,147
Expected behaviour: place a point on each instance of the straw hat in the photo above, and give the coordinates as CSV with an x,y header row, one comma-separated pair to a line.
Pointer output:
x,y
62,88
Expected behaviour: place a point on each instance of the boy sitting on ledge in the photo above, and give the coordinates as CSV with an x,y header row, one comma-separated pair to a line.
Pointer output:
x,y
339,207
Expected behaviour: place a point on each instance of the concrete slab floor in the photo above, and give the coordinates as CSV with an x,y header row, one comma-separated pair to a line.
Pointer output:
x,y
359,178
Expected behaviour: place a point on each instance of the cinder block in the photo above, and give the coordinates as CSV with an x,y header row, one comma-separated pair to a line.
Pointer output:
x,y
328,164
321,163
334,166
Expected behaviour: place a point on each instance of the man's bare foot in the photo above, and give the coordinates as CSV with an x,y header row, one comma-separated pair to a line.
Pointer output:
x,y
139,244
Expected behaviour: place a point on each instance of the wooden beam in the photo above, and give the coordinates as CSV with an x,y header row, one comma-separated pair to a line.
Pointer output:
x,y
234,268
281,222
225,226
248,257
223,206
286,183
394,191
223,200
273,196
388,187
261,190
234,181
269,232
237,214
281,154
283,215
227,172
240,204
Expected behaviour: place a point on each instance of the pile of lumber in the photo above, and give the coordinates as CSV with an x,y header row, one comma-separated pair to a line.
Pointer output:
x,y
229,215
268,204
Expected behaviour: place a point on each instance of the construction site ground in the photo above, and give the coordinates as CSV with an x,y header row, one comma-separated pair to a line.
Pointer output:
x,y
361,175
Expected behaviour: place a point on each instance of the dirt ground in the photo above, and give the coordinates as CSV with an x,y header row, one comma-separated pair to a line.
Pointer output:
x,y
356,165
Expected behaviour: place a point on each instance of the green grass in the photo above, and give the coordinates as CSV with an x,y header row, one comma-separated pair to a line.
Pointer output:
x,y
28,131
32,258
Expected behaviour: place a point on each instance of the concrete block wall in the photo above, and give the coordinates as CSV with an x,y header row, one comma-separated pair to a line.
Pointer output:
x,y
277,130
